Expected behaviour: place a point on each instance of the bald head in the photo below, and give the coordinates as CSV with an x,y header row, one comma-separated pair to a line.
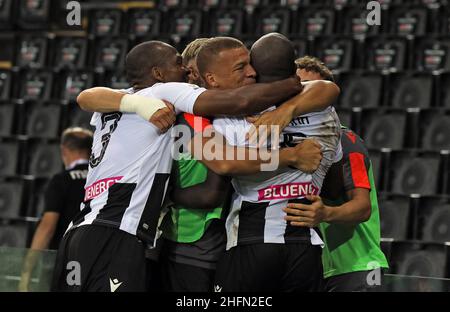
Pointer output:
x,y
145,56
273,57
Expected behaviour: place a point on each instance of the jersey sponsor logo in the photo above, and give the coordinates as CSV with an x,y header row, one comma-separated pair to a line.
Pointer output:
x,y
99,187
114,284
78,174
287,191
299,121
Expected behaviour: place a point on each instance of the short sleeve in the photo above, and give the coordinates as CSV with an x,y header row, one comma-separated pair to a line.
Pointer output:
x,y
54,194
181,95
356,166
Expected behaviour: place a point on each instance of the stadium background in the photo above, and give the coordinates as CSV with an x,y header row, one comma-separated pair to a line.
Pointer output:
x,y
395,82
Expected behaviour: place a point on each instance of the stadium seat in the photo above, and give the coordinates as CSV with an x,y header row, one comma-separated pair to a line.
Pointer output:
x,y
301,46
384,130
14,236
409,21
70,52
5,85
432,54
345,116
36,85
34,14
116,80
45,160
274,20
411,90
226,22
316,22
11,199
144,22
359,89
426,260
436,135
80,118
6,119
6,14
44,121
444,91
9,158
375,158
394,217
444,19
336,53
32,51
434,220
73,82
386,53
185,24
110,52
416,175
355,22
105,22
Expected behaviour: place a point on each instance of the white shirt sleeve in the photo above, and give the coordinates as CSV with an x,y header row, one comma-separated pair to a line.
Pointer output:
x,y
339,153
181,95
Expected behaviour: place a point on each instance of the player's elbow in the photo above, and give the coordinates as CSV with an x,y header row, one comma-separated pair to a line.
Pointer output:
x,y
331,89
223,168
366,211
243,106
84,98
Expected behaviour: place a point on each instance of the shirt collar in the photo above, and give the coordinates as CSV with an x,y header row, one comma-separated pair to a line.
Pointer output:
x,y
76,163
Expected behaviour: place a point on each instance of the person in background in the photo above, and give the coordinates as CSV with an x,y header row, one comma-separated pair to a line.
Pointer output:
x,y
62,198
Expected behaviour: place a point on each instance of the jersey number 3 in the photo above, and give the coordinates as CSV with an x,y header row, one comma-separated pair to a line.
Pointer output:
x,y
108,117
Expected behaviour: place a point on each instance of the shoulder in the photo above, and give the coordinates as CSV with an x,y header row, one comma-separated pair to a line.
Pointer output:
x,y
351,142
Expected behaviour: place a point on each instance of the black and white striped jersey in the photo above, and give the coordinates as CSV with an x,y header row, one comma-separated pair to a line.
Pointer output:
x,y
130,166
256,214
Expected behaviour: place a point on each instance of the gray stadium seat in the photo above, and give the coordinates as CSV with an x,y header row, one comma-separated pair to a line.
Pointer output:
x,y
45,160
394,217
9,158
11,199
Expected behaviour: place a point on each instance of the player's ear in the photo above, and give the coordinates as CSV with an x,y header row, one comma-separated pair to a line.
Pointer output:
x,y
210,80
157,74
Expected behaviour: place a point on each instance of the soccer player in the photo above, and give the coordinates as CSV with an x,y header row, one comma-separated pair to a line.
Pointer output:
x,y
263,252
351,223
130,165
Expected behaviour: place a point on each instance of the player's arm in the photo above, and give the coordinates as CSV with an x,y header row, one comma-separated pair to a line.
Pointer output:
x,y
214,152
316,96
207,195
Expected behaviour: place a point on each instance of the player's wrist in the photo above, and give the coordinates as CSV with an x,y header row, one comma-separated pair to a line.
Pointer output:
x,y
140,105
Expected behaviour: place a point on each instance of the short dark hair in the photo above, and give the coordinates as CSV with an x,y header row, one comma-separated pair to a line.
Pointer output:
x,y
211,49
273,56
77,139
310,63
142,58
192,49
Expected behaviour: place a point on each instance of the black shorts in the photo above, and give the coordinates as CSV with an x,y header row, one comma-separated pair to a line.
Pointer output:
x,y
353,281
100,259
181,277
270,267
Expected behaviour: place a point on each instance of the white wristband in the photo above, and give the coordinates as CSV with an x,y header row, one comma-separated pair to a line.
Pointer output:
x,y
141,105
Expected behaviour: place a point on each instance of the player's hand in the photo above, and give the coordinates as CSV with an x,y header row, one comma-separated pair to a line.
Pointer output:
x,y
306,215
307,155
264,124
164,118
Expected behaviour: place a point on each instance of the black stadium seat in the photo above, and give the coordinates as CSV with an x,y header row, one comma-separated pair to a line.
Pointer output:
x,y
361,90
437,226
274,20
336,53
110,52
44,121
419,175
80,118
6,119
411,91
73,82
444,95
144,22
9,158
14,235
36,85
71,52
394,217
384,130
32,51
105,22
386,53
436,134
316,22
185,24
409,21
432,54
11,195
34,14
227,22
6,16
45,160
355,22
116,80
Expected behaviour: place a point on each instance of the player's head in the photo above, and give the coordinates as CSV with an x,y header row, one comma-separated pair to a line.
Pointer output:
x,y
190,60
76,144
311,68
154,61
273,57
224,63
